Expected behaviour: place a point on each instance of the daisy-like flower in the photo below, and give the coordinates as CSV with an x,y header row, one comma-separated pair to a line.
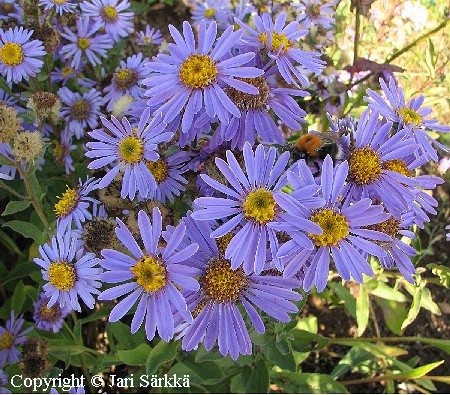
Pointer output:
x,y
410,117
278,41
190,78
10,9
343,236
211,10
10,337
80,110
72,206
312,12
18,54
127,80
255,118
49,318
62,150
156,276
250,203
60,6
378,165
130,149
86,42
112,15
4,382
149,36
167,172
216,307
64,74
70,272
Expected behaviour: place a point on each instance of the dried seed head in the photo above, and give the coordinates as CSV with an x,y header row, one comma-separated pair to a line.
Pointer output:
x,y
27,146
9,123
44,104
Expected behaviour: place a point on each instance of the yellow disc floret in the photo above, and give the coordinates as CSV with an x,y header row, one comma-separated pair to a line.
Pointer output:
x,y
67,202
11,54
410,116
159,170
198,71
334,226
149,274
398,166
131,149
364,166
222,242
6,341
260,206
221,283
278,40
210,12
62,275
83,43
109,13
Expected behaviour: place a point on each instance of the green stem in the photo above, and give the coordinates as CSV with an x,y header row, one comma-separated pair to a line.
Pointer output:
x,y
400,52
32,196
443,379
357,30
10,190
392,339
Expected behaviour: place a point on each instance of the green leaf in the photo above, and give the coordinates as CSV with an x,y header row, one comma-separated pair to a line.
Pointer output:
x,y
417,373
161,353
428,303
27,230
9,243
305,341
355,356
386,292
124,337
362,310
274,355
205,373
16,206
137,356
442,344
344,294
443,272
258,382
18,297
394,314
307,383
415,307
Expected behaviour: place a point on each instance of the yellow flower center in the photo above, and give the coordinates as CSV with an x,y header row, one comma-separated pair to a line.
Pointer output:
x,y
313,10
398,166
67,202
148,40
277,41
62,275
83,43
80,110
334,226
131,149
66,71
364,166
410,116
109,13
221,283
260,206
126,79
11,54
210,12
6,341
390,227
49,314
149,274
222,242
199,308
59,2
198,71
159,170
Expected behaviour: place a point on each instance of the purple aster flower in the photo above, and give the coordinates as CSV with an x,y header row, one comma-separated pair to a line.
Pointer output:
x,y
86,42
11,336
72,206
7,172
18,54
4,382
49,318
167,172
62,150
278,40
60,6
249,202
378,166
72,390
218,306
149,36
312,12
130,150
345,235
70,272
211,10
64,74
10,9
190,78
255,118
112,15
410,117
80,110
156,276
127,80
